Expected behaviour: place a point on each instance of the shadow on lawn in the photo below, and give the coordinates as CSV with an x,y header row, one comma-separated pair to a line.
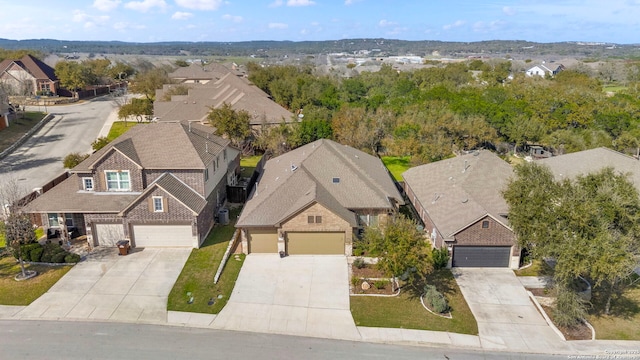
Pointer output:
x,y
623,306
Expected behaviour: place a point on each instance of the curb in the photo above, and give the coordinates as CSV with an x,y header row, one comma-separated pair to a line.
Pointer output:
x,y
26,136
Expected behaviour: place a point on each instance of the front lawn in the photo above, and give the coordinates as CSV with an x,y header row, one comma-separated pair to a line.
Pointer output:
x,y
25,292
623,323
120,127
397,165
18,127
405,311
537,268
248,164
197,275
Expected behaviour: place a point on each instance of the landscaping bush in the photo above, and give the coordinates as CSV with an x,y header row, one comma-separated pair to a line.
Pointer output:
x,y
354,281
359,263
380,284
440,257
71,258
58,258
435,300
26,251
36,254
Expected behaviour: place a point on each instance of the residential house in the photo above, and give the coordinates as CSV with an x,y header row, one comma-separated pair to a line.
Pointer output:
x,y
544,69
312,199
459,200
159,184
211,87
590,161
28,76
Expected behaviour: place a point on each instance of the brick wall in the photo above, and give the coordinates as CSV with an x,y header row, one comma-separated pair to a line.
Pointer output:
x,y
174,211
424,216
330,222
90,219
117,161
495,235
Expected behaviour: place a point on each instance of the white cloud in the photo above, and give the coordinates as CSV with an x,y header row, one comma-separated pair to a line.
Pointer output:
x,y
484,27
106,5
145,5
276,3
300,2
234,18
200,4
508,10
88,20
456,24
304,32
181,15
278,26
385,23
351,2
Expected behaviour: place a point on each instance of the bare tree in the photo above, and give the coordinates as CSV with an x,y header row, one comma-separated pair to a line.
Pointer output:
x,y
16,225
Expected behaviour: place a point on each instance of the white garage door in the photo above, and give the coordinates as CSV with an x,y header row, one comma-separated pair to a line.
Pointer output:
x,y
109,234
163,236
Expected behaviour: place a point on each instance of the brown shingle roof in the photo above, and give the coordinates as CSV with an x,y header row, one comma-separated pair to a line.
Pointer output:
x,y
162,146
457,192
296,179
34,66
176,188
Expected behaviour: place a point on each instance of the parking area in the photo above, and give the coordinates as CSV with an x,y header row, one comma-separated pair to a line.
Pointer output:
x,y
132,288
507,318
298,295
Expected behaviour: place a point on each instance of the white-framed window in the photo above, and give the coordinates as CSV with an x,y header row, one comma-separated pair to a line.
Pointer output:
x,y
118,180
53,220
206,174
158,205
87,183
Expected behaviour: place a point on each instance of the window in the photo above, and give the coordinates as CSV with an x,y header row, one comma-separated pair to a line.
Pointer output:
x,y
206,174
118,180
318,219
369,220
68,219
158,205
485,224
224,154
310,219
53,220
87,183
336,180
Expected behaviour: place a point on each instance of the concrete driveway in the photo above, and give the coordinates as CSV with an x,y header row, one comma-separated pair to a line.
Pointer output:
x,y
507,319
296,295
132,288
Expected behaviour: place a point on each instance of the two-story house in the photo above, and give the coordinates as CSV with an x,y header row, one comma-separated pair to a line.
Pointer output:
x,y
159,184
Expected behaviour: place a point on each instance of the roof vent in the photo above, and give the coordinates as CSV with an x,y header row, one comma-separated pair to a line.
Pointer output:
x,y
294,167
206,147
336,180
436,196
465,200
466,166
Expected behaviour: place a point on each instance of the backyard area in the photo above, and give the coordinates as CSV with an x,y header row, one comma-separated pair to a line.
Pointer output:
x,y
196,278
120,127
406,311
248,164
397,165
18,128
14,292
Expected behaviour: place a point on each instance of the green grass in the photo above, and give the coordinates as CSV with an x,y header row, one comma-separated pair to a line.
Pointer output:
x,y
248,164
3,241
538,268
397,165
613,88
197,275
405,310
18,127
120,127
25,292
623,322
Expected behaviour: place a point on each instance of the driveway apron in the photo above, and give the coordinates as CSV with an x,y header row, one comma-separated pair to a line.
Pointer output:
x,y
132,288
507,318
295,295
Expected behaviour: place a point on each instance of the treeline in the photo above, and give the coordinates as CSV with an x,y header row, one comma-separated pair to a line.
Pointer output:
x,y
433,112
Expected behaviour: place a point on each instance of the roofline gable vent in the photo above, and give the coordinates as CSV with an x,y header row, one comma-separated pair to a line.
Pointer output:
x,y
336,180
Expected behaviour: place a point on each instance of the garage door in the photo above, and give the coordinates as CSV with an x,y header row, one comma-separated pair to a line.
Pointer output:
x,y
263,241
163,236
315,243
109,234
481,256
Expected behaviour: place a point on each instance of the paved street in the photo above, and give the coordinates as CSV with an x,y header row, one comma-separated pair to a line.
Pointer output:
x,y
73,129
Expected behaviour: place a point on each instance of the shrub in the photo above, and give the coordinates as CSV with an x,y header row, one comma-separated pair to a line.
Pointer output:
x,y
358,252
440,257
58,258
99,143
71,160
380,284
354,281
435,300
26,251
359,263
46,257
36,254
71,258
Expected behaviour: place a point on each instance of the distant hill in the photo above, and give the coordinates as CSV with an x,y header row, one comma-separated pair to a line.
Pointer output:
x,y
386,47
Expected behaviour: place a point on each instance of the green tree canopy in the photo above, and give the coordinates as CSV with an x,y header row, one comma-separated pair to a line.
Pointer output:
x,y
231,123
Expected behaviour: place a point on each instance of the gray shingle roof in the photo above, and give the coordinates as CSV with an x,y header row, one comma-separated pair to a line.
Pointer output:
x,y
176,188
162,146
65,197
296,179
589,161
459,191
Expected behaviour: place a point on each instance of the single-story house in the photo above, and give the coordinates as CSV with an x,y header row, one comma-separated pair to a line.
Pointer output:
x,y
157,185
459,200
312,199
543,70
28,76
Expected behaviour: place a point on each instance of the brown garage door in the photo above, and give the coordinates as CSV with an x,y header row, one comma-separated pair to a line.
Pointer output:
x,y
263,241
315,243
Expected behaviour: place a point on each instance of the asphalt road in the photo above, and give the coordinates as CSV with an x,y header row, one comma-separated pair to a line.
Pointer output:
x,y
86,340
74,128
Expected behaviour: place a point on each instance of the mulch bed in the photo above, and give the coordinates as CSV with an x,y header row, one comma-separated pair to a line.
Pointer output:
x,y
370,272
386,290
367,272
579,332
538,292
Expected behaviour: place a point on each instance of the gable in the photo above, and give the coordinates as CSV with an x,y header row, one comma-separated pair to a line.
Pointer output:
x,y
142,207
493,233
329,219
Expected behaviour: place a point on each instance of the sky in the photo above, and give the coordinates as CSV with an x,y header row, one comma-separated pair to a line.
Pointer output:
x,y
611,21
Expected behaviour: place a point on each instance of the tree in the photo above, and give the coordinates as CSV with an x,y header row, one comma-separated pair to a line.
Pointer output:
x,y
589,225
18,231
73,159
74,76
146,83
231,123
140,108
401,248
99,143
